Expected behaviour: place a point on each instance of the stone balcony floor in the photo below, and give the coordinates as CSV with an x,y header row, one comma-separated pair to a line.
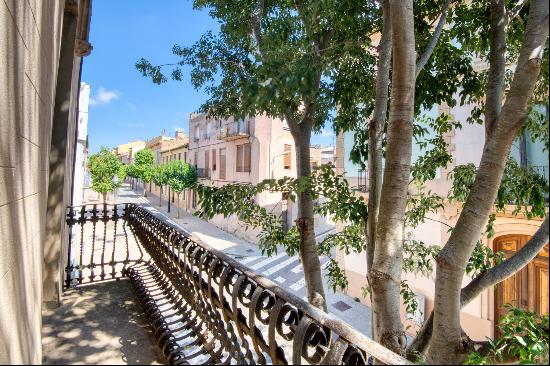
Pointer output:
x,y
98,324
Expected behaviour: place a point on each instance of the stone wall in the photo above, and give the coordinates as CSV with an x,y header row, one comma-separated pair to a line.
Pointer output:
x,y
30,34
38,103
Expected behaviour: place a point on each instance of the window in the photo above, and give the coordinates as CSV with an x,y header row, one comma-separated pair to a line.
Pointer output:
x,y
197,134
213,160
196,158
243,158
179,156
222,163
185,156
206,165
219,123
208,130
287,156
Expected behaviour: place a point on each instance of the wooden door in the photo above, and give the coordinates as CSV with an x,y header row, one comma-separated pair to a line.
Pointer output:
x,y
528,288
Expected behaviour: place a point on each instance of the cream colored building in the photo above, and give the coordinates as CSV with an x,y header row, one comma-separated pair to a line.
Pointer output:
x,y
41,47
127,152
321,155
528,289
244,150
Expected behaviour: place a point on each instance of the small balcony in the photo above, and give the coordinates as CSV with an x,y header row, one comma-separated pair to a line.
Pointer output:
x,y
200,305
235,130
203,173
362,181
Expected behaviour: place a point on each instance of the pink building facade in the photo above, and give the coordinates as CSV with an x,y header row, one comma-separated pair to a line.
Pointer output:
x,y
246,150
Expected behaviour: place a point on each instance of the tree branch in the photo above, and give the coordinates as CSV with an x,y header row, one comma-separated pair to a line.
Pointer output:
x,y
257,23
433,40
514,12
497,60
491,277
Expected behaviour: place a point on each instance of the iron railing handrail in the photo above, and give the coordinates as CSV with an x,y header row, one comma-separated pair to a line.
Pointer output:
x,y
178,251
340,327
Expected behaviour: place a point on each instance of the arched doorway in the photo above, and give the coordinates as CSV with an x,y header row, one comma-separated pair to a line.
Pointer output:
x,y
528,288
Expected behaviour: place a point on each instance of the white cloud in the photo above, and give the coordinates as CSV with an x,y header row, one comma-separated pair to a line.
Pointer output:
x,y
104,96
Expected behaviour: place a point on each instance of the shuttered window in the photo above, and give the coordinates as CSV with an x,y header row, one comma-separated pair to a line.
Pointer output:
x,y
206,165
213,159
222,163
246,163
287,156
243,158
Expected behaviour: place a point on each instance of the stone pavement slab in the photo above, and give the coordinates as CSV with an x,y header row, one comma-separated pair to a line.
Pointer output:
x,y
99,324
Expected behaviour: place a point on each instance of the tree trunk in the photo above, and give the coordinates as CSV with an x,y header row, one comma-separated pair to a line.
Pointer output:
x,y
497,65
385,274
448,345
305,224
104,194
178,205
160,197
376,130
144,189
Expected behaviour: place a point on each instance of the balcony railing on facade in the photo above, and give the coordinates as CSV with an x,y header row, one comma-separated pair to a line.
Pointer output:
x,y
203,173
203,306
235,130
362,181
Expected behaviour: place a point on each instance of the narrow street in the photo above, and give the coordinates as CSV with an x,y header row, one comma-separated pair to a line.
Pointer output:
x,y
284,270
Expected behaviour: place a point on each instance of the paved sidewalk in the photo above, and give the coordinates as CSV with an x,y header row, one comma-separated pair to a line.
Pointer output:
x,y
283,270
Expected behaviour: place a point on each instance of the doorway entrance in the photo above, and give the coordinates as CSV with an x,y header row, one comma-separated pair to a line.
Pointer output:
x,y
528,288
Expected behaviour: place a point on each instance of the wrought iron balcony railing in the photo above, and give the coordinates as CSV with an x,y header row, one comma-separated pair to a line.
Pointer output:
x,y
204,306
362,181
235,130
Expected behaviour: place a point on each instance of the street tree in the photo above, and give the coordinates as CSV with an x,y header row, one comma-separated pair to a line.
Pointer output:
x,y
380,92
104,168
181,176
284,70
143,167
160,178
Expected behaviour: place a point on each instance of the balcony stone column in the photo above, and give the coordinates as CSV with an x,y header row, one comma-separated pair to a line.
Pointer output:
x,y
61,167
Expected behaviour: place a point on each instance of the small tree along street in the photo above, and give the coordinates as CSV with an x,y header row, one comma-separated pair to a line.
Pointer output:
x,y
107,172
181,176
144,167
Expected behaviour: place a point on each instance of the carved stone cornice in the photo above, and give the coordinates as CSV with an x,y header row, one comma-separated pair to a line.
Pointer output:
x,y
82,48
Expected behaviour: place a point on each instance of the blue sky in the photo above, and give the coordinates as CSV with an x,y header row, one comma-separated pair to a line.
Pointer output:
x,y
124,106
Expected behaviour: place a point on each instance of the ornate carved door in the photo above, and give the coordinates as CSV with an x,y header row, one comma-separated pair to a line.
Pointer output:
x,y
528,288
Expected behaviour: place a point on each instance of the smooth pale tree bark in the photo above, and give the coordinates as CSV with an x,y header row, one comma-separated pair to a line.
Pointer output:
x,y
385,275
497,65
433,39
376,131
448,345
491,277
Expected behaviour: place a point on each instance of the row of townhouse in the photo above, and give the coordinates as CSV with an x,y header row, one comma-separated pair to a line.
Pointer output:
x,y
528,289
246,150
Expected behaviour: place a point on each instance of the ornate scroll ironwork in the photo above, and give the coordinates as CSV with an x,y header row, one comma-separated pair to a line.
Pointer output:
x,y
205,307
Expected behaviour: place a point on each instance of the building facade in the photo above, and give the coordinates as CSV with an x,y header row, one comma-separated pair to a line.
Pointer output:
x,y
127,152
42,44
81,155
528,288
246,150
